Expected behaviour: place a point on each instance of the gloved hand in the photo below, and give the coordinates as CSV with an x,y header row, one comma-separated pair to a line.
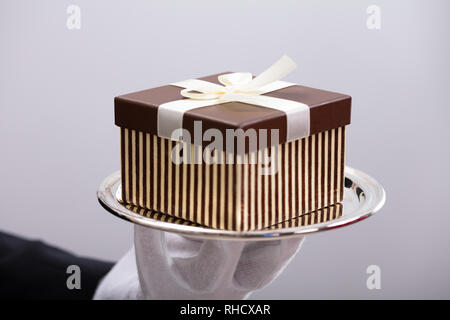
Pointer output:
x,y
164,265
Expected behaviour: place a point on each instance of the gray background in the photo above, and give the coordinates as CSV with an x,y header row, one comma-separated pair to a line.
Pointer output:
x,y
58,140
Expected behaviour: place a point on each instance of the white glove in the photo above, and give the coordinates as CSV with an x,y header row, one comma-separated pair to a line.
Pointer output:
x,y
169,266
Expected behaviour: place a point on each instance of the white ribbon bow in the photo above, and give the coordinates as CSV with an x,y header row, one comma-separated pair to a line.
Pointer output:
x,y
239,87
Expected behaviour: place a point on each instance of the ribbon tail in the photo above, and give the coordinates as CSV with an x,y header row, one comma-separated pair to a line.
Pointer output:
x,y
277,71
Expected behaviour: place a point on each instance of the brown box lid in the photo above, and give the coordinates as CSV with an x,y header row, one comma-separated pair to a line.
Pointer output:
x,y
139,110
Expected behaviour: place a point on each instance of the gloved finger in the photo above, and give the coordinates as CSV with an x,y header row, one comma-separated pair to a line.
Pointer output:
x,y
153,264
261,262
214,262
171,265
182,247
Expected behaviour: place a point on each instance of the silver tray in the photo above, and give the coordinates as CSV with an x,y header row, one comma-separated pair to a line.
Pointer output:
x,y
363,196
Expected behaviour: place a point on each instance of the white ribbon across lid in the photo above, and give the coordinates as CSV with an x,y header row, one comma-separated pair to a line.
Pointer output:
x,y
239,87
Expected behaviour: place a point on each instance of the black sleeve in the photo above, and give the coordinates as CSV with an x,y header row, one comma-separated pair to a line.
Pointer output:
x,y
35,270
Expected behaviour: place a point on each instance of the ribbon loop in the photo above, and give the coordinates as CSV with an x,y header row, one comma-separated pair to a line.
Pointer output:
x,y
239,82
240,87
235,79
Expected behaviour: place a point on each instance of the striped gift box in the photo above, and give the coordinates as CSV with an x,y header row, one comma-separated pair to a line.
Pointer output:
x,y
234,196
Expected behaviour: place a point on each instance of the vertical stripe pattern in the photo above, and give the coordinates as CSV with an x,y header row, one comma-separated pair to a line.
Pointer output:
x,y
310,177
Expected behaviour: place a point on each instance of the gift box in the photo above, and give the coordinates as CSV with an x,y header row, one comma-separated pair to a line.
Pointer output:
x,y
233,151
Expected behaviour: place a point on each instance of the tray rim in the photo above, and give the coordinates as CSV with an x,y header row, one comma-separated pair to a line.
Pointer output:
x,y
374,193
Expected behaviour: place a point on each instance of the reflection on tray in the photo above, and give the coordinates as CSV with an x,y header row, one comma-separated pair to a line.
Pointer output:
x,y
319,216
325,214
160,216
